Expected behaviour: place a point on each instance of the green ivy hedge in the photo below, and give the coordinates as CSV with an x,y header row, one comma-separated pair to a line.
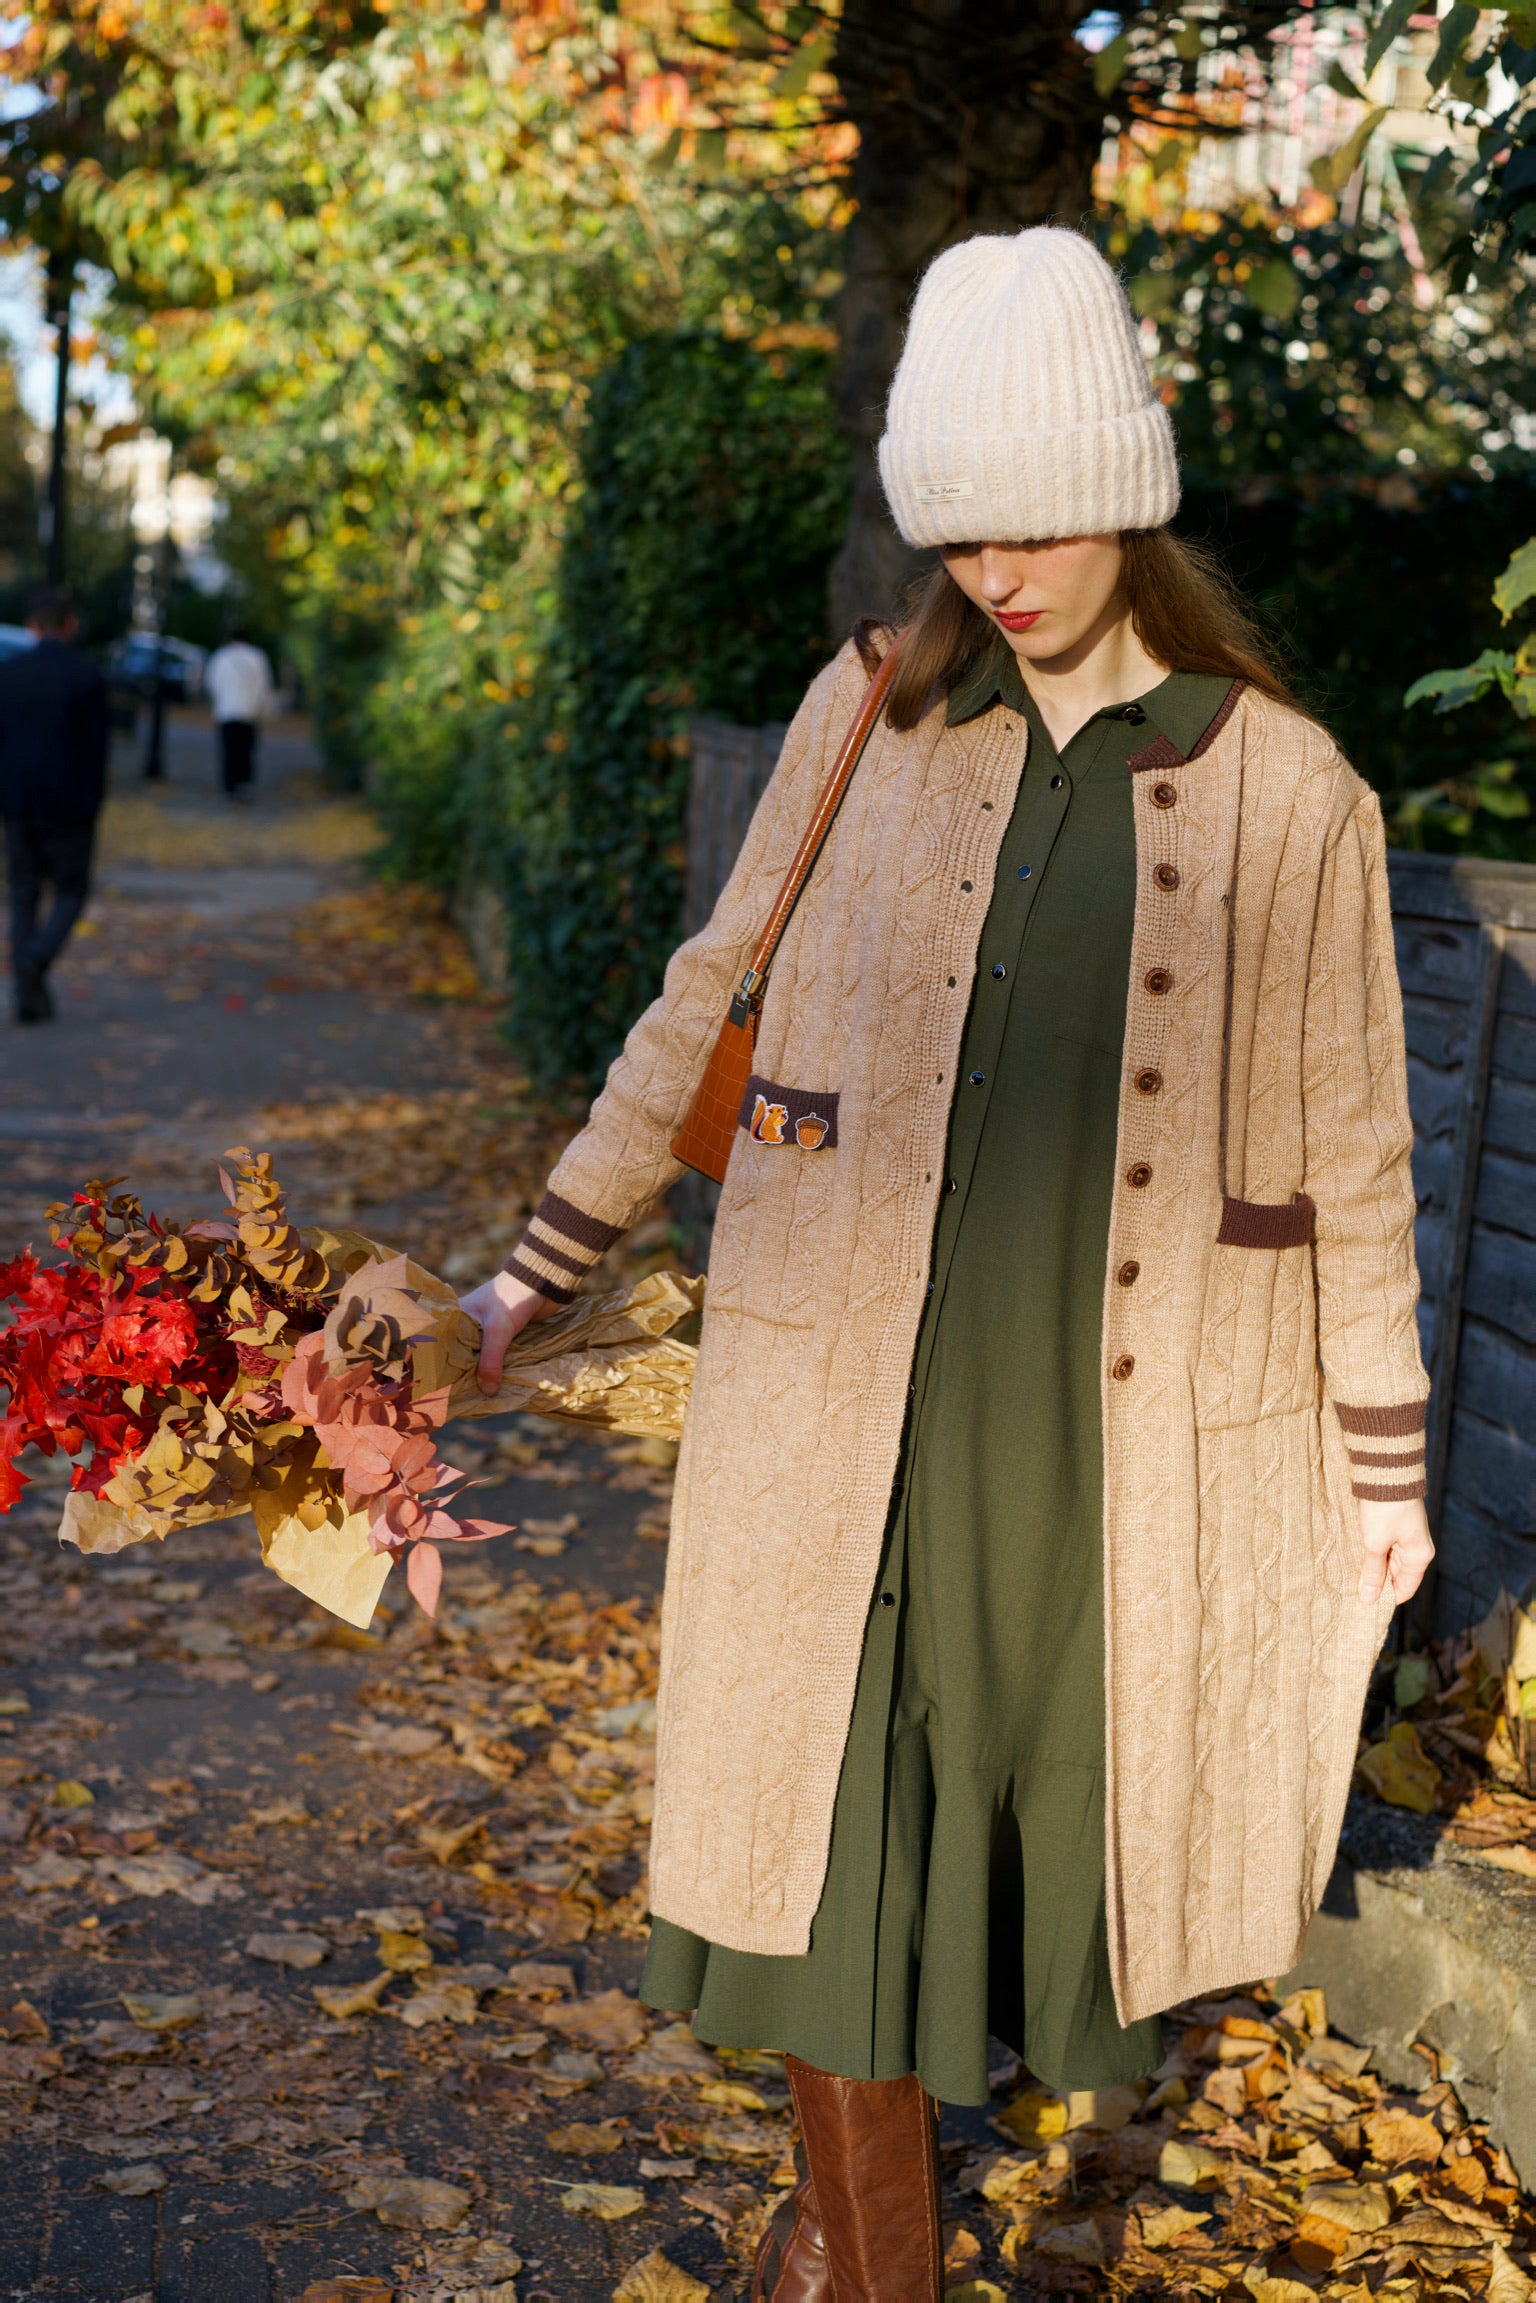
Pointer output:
x,y
714,492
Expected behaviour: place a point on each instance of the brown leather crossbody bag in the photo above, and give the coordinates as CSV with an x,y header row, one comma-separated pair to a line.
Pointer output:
x,y
704,1140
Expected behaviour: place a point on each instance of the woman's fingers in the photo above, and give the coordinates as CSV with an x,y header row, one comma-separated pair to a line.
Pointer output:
x,y
1396,1546
502,1307
495,1335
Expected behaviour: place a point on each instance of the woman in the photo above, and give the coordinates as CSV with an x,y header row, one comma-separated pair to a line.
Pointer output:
x,y
1018,1614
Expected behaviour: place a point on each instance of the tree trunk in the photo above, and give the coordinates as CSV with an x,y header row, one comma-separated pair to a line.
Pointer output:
x,y
973,116
61,295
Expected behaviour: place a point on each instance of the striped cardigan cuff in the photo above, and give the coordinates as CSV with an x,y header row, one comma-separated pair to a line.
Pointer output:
x,y
1386,1450
560,1247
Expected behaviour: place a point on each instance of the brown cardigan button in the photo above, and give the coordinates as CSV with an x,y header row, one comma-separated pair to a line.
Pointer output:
x,y
1123,1367
1163,795
1128,1274
1159,980
1138,1175
1149,1082
1167,875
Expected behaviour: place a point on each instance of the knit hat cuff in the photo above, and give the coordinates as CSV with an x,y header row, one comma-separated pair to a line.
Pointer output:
x,y
1028,487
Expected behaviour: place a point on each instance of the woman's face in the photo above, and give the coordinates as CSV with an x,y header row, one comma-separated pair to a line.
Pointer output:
x,y
1045,599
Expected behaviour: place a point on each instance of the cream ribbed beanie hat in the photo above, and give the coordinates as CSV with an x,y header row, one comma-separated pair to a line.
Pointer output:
x,y
1022,408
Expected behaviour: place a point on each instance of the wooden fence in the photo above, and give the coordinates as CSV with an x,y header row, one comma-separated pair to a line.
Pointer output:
x,y
1466,953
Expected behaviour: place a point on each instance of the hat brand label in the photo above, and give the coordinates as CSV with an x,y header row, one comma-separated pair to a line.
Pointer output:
x,y
944,491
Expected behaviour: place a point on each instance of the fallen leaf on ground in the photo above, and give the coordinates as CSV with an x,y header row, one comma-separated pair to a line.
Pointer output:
x,y
162,2010
1521,1860
344,2000
656,2280
401,1953
1397,2137
282,1811
410,2202
610,2202
612,2019
732,2095
22,2021
445,1845
347,2291
1399,1770
1071,2243
1108,2108
1507,2283
1033,2117
534,1979
1266,2289
133,2182
961,2252
71,1793
51,1870
1186,2164
440,2002
1355,2207
586,2140
1167,2223
157,1875
296,1950
975,2291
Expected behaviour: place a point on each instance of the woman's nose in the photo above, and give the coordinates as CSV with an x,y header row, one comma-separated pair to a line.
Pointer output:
x,y
998,579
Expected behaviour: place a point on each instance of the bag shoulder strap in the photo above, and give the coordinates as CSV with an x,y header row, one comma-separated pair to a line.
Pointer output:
x,y
755,982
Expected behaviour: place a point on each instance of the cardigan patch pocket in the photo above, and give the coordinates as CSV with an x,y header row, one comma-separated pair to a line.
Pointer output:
x,y
773,1114
1257,1355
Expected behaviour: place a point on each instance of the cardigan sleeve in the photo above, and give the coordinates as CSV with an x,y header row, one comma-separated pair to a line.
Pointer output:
x,y
621,1162
1359,1169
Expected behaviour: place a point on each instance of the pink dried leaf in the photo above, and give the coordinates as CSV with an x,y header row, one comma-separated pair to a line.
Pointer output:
x,y
424,1576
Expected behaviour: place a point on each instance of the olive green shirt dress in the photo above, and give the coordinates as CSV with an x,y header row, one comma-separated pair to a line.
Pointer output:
x,y
964,1893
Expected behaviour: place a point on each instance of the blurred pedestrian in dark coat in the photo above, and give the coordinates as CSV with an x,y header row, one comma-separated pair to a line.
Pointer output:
x,y
53,765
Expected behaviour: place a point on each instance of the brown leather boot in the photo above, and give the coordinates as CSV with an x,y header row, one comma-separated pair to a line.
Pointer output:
x,y
791,2261
872,2149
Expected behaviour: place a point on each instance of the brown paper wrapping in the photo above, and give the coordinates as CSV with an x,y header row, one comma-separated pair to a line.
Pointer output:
x,y
605,1361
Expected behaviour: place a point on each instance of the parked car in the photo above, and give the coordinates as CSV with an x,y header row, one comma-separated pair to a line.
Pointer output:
x,y
131,666
14,638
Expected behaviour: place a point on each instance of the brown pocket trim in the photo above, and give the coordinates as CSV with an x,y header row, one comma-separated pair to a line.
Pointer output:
x,y
1250,1223
796,1118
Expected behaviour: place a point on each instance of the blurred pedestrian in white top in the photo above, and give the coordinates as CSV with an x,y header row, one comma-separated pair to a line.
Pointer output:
x,y
238,678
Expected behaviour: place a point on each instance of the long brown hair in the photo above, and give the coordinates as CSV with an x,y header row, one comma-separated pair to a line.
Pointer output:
x,y
1185,610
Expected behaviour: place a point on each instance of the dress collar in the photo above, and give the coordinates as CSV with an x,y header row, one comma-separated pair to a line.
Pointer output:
x,y
1181,709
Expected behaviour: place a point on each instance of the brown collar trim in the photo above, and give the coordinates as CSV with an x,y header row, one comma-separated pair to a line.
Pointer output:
x,y
1163,752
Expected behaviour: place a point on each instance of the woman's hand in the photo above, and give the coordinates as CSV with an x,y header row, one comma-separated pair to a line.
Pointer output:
x,y
1397,1544
501,1307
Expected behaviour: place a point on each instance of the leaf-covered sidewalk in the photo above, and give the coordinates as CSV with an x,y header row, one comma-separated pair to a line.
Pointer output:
x,y
318,1948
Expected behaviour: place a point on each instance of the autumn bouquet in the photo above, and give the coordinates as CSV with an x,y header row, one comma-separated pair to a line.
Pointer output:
x,y
239,1364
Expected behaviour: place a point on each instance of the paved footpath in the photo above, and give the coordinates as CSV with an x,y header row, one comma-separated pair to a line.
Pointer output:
x,y
216,1803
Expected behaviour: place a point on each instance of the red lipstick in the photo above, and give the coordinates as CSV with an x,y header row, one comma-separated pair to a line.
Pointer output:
x,y
1017,622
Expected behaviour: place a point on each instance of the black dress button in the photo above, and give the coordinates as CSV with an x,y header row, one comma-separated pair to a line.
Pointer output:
x,y
978,1079
999,971
887,1599
950,1184
1025,870
1057,782
1134,716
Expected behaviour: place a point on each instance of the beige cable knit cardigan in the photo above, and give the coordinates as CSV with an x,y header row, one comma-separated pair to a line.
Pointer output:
x,y
1241,1374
